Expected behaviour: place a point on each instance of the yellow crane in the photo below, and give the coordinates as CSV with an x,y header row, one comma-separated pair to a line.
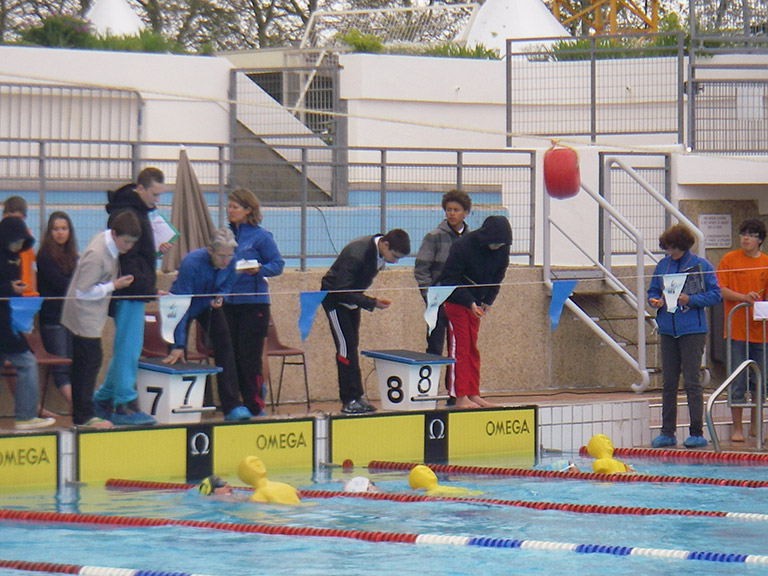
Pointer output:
x,y
607,16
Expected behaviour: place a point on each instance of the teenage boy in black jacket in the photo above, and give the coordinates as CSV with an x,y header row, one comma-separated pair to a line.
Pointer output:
x,y
350,275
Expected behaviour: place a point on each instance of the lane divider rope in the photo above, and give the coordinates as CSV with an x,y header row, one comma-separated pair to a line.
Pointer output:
x,y
369,536
375,465
399,497
53,568
686,455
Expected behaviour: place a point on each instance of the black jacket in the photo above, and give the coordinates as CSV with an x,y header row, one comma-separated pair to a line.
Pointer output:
x,y
51,281
11,230
354,269
141,260
471,263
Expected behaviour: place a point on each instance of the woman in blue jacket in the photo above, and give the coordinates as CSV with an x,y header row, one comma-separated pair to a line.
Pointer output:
x,y
682,332
247,309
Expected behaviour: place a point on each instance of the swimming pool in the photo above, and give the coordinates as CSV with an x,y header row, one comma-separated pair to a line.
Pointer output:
x,y
218,552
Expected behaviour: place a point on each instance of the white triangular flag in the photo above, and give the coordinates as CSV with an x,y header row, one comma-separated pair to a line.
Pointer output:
x,y
436,295
673,286
172,310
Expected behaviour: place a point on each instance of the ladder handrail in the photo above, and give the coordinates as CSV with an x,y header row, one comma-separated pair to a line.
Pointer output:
x,y
668,206
720,389
638,364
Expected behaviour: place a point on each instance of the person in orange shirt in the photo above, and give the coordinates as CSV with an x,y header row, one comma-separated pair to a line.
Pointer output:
x,y
17,206
743,277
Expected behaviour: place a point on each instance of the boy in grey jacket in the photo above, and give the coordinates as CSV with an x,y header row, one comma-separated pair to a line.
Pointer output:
x,y
86,307
430,262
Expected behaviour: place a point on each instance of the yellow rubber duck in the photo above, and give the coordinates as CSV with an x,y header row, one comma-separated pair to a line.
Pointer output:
x,y
422,477
601,449
253,472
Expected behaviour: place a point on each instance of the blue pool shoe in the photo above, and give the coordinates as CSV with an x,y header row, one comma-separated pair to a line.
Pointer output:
x,y
664,441
237,414
695,442
125,415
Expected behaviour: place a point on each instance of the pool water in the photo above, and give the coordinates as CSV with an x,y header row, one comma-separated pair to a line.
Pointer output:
x,y
220,553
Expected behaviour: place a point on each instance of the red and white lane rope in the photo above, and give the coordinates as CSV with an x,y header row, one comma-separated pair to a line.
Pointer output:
x,y
400,497
375,465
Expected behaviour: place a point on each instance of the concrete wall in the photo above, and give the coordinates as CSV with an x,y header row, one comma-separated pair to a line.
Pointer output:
x,y
186,97
519,351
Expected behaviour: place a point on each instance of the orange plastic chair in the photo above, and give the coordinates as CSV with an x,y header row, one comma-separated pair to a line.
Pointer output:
x,y
276,349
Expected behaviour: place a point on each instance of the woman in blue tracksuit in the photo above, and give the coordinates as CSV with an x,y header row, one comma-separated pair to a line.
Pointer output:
x,y
247,309
682,332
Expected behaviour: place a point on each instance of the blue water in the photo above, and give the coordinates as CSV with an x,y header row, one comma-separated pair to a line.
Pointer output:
x,y
222,553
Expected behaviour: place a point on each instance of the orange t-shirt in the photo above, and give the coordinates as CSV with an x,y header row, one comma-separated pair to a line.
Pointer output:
x,y
743,274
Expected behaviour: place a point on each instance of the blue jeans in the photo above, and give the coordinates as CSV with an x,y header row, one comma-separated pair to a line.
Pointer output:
x,y
58,340
119,386
739,355
26,396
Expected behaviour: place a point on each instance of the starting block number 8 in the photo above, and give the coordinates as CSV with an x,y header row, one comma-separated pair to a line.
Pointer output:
x,y
395,385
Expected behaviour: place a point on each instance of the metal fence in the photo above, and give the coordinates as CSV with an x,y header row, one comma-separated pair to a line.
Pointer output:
x,y
728,94
620,85
394,188
595,86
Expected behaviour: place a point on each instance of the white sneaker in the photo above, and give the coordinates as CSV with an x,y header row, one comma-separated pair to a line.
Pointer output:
x,y
35,423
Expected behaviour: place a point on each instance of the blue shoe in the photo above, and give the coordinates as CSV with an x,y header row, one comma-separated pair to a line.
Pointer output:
x,y
124,415
664,441
695,442
238,414
102,410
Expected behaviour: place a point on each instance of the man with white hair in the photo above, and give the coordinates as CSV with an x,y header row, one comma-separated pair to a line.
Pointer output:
x,y
207,275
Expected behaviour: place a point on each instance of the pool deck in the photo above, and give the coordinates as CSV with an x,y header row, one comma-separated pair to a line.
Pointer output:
x,y
567,418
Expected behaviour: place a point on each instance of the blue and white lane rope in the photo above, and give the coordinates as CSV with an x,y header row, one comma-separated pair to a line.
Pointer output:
x,y
591,549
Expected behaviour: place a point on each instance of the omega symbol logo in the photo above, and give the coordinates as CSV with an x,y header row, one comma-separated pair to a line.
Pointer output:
x,y
200,444
436,429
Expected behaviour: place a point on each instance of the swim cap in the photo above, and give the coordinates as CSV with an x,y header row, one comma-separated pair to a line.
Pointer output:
x,y
357,484
209,484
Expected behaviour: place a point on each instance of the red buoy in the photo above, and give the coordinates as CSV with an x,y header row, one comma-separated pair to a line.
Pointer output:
x,y
561,172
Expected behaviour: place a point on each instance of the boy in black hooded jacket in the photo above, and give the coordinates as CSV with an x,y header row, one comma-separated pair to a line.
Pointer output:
x,y
476,265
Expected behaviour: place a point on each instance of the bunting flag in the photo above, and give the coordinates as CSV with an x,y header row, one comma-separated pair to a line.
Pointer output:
x,y
436,295
172,310
561,290
673,286
23,312
308,303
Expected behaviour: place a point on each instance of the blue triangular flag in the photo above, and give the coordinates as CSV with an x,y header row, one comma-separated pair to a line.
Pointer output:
x,y
308,303
436,295
561,289
23,312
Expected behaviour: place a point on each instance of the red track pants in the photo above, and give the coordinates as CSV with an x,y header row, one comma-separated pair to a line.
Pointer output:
x,y
463,327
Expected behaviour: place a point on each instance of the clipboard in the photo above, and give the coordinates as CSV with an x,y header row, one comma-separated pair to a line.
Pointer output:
x,y
162,231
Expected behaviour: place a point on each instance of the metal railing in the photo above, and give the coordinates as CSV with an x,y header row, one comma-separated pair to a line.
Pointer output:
x,y
747,364
759,396
387,188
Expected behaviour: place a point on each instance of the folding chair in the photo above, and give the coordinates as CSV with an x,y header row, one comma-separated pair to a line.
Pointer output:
x,y
276,349
45,361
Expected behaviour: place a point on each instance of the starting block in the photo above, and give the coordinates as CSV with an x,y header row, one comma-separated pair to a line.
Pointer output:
x,y
408,380
173,393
